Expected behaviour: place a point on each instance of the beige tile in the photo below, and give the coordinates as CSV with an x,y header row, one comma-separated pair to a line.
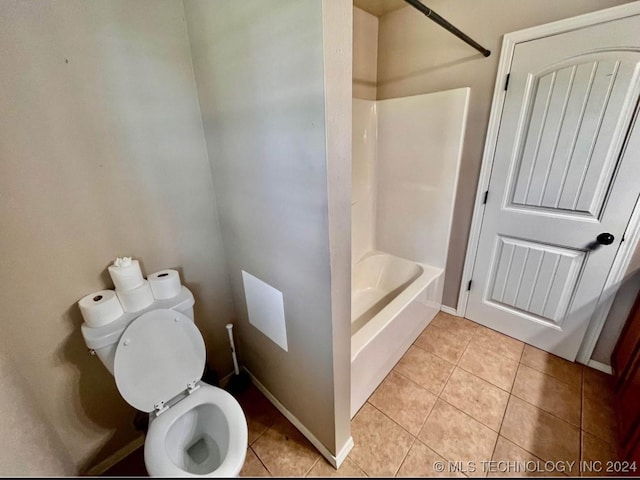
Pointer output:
x,y
284,450
347,469
253,466
420,463
259,412
456,436
595,454
403,401
492,367
483,401
539,432
557,367
457,325
509,460
380,444
598,384
425,369
599,419
498,343
548,393
445,343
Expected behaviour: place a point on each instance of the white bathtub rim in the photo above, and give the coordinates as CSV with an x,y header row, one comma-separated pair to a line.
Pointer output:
x,y
365,335
378,253
383,263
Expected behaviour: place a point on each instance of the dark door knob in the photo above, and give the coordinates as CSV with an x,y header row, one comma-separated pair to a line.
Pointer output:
x,y
602,239
605,239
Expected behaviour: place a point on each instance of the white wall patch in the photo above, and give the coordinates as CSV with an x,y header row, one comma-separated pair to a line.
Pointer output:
x,y
265,307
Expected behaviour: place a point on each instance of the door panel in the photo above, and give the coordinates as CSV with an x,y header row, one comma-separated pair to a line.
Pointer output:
x,y
565,169
565,163
534,279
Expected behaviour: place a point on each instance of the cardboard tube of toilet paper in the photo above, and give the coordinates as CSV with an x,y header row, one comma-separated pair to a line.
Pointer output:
x,y
165,284
126,274
100,308
136,299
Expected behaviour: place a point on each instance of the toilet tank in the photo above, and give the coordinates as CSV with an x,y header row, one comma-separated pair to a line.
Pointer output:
x,y
104,340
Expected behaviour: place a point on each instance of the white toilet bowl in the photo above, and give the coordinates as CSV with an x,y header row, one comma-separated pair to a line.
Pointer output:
x,y
195,437
195,429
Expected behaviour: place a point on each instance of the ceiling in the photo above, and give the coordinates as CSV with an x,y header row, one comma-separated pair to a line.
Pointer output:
x,y
379,7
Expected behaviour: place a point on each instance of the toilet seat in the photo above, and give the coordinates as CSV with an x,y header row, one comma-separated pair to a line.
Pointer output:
x,y
156,456
159,356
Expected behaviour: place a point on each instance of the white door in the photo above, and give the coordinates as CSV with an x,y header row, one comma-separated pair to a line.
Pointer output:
x,y
566,170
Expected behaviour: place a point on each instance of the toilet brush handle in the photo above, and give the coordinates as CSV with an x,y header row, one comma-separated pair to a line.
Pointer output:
x,y
236,370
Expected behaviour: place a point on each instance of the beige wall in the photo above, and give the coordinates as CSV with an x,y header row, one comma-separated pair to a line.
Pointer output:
x,y
101,155
29,446
623,300
417,56
365,54
265,125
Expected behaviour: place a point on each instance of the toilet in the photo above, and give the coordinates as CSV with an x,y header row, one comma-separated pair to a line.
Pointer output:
x,y
157,357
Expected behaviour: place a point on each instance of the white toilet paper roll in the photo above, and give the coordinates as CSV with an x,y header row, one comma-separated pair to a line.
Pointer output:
x,y
165,284
100,308
136,299
126,274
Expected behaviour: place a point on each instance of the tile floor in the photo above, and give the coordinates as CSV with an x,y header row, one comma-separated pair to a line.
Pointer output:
x,y
461,393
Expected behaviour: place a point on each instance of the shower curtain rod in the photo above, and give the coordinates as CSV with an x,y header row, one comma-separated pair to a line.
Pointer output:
x,y
443,23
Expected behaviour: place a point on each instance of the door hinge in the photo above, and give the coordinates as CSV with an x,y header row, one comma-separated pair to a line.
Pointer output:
x,y
506,82
469,285
486,195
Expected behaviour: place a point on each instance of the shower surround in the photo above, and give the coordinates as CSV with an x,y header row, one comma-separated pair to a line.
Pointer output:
x,y
406,156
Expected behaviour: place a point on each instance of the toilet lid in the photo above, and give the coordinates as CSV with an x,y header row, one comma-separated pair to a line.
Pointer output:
x,y
157,356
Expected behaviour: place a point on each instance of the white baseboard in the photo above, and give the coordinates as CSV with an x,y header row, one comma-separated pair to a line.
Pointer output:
x,y
114,458
449,310
600,366
337,460
342,454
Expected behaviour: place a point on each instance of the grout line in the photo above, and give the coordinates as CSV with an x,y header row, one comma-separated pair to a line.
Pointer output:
x,y
431,447
447,381
553,376
528,451
395,474
490,382
313,465
265,430
260,460
357,464
481,422
403,428
570,385
432,353
548,413
504,414
412,381
481,329
562,360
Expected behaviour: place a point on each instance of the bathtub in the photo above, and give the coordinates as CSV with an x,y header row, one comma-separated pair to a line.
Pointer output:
x,y
392,301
